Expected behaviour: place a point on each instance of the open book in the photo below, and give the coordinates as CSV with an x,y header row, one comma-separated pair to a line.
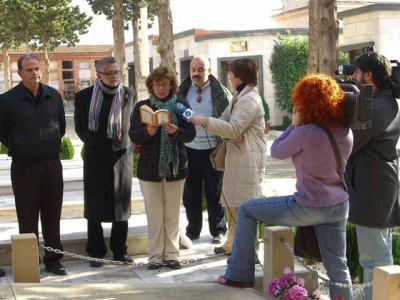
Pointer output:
x,y
155,118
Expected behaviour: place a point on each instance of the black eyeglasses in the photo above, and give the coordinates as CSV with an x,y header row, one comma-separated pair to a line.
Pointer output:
x,y
200,96
162,85
116,72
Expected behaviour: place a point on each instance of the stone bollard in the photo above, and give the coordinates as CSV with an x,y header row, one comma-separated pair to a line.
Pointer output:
x,y
25,258
386,283
276,256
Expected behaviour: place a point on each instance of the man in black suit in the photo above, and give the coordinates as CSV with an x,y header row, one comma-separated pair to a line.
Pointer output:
x,y
32,123
102,120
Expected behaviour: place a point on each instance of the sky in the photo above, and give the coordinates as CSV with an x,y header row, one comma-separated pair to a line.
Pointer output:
x,y
189,14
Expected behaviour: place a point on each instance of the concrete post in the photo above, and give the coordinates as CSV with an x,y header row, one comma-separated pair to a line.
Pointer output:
x,y
144,43
25,258
386,283
276,256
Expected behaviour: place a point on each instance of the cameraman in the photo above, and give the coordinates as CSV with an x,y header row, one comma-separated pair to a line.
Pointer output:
x,y
372,169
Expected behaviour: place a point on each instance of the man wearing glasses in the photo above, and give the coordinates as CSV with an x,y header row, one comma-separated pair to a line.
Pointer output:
x,y
207,97
102,120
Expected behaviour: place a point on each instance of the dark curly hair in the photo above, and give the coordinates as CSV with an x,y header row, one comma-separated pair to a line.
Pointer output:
x,y
320,100
160,73
379,66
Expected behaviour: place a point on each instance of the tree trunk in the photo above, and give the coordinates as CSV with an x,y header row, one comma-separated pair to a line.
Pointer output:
x,y
119,39
46,77
323,36
166,41
328,51
136,50
7,78
313,36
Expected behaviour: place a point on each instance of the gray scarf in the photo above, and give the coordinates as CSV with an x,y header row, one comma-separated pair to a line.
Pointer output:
x,y
114,119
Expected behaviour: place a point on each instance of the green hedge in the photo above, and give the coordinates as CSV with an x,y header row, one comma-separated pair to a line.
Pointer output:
x,y
286,122
3,149
288,64
396,248
67,150
135,162
352,252
266,110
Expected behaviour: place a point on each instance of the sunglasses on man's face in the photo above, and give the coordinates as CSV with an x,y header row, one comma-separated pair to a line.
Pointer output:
x,y
200,96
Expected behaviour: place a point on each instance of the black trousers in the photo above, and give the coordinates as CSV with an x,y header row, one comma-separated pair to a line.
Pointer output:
x,y
96,246
202,173
38,188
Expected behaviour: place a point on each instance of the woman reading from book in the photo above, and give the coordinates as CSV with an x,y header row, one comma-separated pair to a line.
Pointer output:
x,y
320,198
162,166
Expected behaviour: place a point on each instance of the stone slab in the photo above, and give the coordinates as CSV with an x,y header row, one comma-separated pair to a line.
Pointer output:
x,y
193,291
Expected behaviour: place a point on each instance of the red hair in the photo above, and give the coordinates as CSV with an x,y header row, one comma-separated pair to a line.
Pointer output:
x,y
320,100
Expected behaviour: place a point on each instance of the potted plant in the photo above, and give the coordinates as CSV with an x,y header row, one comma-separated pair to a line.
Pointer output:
x,y
266,116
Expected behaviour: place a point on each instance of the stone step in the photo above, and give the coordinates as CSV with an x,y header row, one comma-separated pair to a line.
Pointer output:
x,y
128,291
74,236
70,210
73,200
72,173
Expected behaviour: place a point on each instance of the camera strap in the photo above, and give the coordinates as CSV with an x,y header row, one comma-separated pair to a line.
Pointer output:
x,y
336,151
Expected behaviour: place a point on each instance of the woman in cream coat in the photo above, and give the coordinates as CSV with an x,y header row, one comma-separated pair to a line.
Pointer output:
x,y
242,126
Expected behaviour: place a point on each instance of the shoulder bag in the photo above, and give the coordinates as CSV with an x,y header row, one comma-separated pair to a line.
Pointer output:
x,y
217,157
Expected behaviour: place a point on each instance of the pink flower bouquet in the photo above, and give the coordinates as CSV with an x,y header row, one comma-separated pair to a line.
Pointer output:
x,y
288,287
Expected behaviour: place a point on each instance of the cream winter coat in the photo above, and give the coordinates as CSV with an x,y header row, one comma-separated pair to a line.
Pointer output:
x,y
245,161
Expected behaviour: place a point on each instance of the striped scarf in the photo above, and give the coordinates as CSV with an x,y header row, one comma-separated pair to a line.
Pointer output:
x,y
114,119
169,147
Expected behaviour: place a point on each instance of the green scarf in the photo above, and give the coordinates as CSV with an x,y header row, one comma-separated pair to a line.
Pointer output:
x,y
169,147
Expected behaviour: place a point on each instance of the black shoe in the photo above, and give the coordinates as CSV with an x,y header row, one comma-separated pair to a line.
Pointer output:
x,y
173,264
192,237
220,250
57,269
218,238
2,272
96,264
125,258
154,266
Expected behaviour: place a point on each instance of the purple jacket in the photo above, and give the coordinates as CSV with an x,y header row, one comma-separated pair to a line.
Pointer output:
x,y
318,183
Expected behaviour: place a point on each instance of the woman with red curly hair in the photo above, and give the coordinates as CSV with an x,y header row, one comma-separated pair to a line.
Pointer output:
x,y
320,198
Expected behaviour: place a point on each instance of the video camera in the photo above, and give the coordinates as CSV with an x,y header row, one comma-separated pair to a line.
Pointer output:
x,y
358,99
349,70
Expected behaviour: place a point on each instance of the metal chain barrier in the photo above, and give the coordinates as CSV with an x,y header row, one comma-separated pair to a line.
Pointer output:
x,y
208,257
315,272
141,264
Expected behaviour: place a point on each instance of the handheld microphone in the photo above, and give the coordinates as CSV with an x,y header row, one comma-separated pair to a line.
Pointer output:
x,y
182,110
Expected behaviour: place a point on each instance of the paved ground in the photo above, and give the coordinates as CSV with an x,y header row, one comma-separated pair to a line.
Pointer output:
x,y
279,180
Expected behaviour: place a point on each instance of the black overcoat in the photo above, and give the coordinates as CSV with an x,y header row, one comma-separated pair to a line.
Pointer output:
x,y
107,170
372,169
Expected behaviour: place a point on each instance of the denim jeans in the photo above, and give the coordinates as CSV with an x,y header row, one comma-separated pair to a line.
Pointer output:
x,y
375,249
330,227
